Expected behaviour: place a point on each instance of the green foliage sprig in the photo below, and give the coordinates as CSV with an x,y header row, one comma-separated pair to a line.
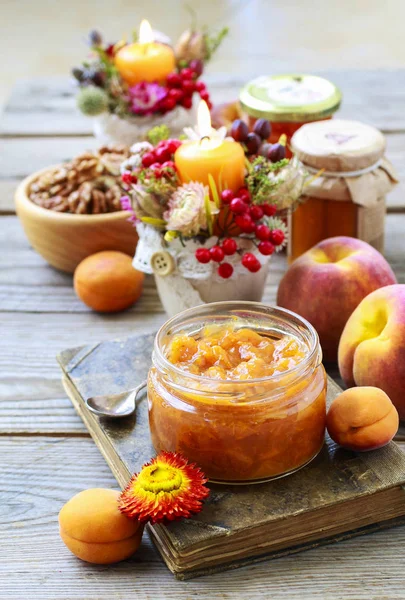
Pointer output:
x,y
158,134
213,41
260,185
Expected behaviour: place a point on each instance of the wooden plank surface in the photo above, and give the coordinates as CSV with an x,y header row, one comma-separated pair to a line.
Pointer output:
x,y
47,106
40,474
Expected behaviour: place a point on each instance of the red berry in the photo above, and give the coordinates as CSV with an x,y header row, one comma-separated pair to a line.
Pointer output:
x,y
126,178
203,255
187,102
204,95
148,159
266,248
250,262
163,154
237,206
277,237
244,194
157,170
227,196
225,270
176,94
187,73
200,86
188,87
229,246
169,164
262,232
172,145
174,80
245,223
256,212
269,209
217,253
168,103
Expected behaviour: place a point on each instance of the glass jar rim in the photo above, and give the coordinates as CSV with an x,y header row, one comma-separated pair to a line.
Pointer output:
x,y
314,349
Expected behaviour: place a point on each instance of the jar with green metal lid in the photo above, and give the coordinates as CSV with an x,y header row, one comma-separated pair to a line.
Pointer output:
x,y
289,101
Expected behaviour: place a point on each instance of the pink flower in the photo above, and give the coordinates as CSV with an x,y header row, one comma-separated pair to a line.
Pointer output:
x,y
145,98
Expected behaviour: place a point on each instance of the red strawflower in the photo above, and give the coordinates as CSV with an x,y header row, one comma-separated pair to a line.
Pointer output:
x,y
168,488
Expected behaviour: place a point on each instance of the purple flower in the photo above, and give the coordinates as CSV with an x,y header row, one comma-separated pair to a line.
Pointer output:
x,y
145,97
126,204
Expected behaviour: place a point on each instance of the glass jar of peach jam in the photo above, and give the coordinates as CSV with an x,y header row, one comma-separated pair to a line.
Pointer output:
x,y
238,388
288,102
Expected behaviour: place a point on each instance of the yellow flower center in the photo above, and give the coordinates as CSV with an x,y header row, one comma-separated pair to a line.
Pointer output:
x,y
160,478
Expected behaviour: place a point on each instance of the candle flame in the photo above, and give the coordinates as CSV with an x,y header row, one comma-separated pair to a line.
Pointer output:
x,y
145,32
204,119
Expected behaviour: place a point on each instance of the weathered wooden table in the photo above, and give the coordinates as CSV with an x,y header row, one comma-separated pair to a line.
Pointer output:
x,y
46,454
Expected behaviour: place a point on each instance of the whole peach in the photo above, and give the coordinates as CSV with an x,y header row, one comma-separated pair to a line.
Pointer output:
x,y
93,528
107,282
325,285
372,346
362,418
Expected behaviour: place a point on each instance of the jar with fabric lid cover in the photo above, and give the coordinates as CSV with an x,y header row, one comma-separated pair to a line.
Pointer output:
x,y
348,195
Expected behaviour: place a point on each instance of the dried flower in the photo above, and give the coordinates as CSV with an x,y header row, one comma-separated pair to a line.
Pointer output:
x,y
92,101
167,488
146,204
191,46
145,97
289,182
187,211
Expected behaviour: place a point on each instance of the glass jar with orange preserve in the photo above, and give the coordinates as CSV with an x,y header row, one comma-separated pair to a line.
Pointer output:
x,y
238,388
350,179
288,102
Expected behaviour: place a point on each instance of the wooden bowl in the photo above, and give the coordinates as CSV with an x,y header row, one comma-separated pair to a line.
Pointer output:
x,y
65,239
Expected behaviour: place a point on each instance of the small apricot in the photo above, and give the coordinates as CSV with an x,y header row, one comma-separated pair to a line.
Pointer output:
x,y
362,418
107,282
93,528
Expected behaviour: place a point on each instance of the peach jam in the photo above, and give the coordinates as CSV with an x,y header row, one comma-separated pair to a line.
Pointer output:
x,y
239,389
289,101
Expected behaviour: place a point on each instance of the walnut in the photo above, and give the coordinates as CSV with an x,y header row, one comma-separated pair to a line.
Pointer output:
x,y
88,184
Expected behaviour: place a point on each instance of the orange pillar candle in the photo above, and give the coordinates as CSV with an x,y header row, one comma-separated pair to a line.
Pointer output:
x,y
145,60
223,159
